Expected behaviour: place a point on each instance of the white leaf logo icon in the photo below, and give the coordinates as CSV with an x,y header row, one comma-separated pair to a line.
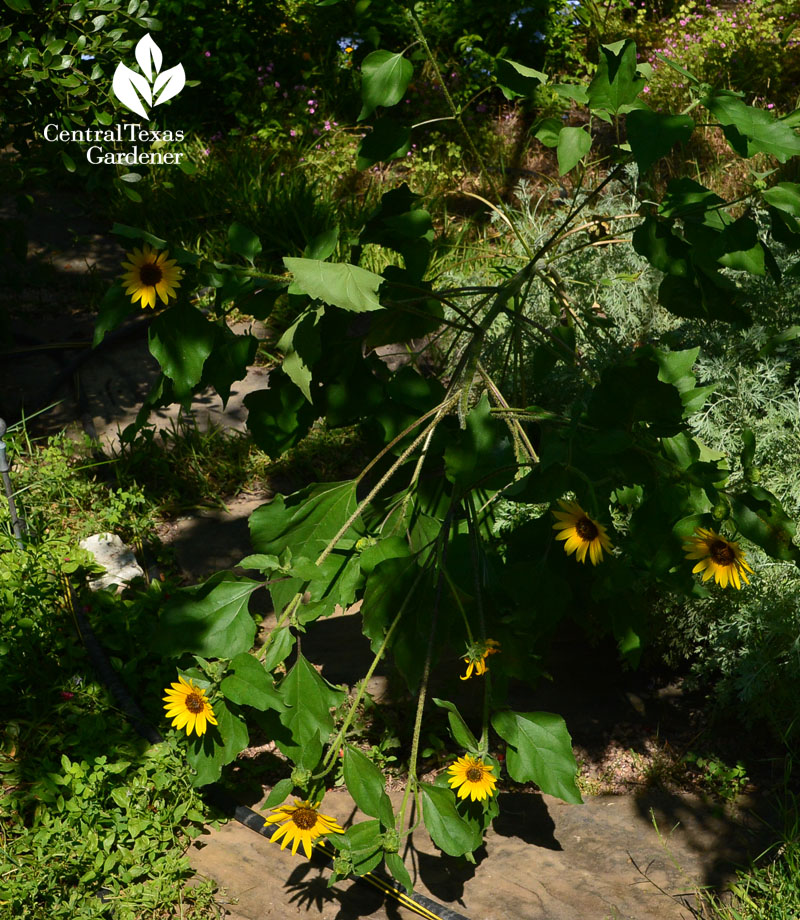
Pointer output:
x,y
135,91
148,53
168,84
126,83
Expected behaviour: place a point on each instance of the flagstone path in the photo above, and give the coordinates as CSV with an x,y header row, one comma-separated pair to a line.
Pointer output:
x,y
630,857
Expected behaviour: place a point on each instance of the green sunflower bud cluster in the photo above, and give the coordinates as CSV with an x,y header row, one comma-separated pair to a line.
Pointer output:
x,y
342,866
721,510
301,777
391,841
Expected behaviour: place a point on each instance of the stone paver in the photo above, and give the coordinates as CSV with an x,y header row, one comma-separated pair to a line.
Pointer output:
x,y
543,860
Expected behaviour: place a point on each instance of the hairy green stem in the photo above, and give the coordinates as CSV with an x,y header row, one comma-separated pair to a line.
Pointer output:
x,y
411,783
330,757
378,486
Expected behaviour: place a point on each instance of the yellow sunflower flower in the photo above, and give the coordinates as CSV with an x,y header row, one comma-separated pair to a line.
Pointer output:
x,y
581,533
476,656
187,706
149,272
718,557
301,823
470,776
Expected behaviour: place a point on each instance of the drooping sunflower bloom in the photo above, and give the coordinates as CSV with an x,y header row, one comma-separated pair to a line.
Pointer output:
x,y
149,272
470,776
187,706
301,823
476,656
581,533
718,557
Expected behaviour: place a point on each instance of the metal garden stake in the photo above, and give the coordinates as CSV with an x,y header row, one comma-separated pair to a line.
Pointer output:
x,y
16,524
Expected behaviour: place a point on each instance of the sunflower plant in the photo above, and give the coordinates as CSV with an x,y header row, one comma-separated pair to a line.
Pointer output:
x,y
542,414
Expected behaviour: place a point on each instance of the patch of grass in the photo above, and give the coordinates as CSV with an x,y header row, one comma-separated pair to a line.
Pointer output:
x,y
185,466
276,194
769,889
62,489
88,810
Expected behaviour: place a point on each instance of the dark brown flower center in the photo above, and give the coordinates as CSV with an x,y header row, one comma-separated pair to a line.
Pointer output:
x,y
194,702
586,529
722,553
474,774
150,274
305,818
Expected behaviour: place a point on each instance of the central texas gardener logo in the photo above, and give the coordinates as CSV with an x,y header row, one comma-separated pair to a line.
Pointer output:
x,y
140,93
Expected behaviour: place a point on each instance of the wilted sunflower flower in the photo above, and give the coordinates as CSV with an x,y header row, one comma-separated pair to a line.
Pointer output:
x,y
718,557
301,823
581,533
149,272
476,656
187,706
470,776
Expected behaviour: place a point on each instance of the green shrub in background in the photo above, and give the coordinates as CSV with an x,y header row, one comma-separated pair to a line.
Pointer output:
x,y
750,47
56,66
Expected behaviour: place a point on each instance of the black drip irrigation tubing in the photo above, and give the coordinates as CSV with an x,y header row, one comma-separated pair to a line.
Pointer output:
x,y
218,797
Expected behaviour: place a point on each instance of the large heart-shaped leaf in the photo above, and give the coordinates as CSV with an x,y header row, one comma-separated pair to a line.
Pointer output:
x,y
210,619
337,283
384,80
540,751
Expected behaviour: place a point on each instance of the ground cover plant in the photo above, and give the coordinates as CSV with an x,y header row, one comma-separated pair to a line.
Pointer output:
x,y
93,817
599,414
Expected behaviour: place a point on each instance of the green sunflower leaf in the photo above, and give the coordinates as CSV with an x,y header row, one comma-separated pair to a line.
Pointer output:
x,y
114,307
243,241
652,135
396,866
539,751
337,283
751,130
388,140
134,233
760,517
366,784
304,523
573,145
229,359
281,643
384,79
181,339
516,79
211,619
458,727
279,793
308,698
448,830
250,684
616,83
220,744
280,416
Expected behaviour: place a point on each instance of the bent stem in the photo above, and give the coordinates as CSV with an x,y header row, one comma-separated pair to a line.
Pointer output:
x,y
411,783
330,757
383,480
